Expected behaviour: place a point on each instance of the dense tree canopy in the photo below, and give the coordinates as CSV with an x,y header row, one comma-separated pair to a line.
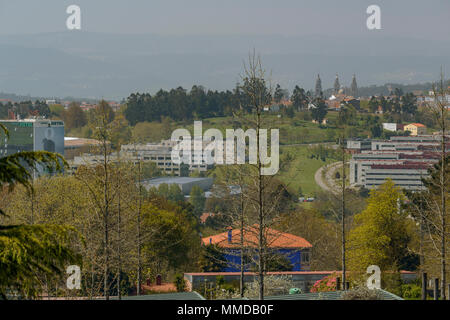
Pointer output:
x,y
381,233
27,251
178,104
74,116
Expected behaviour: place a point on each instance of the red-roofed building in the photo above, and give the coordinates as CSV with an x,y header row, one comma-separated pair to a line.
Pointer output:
x,y
87,106
205,216
294,248
415,129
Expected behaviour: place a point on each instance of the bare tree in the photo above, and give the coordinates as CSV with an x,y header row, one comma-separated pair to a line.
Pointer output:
x,y
343,177
441,114
98,178
429,207
264,196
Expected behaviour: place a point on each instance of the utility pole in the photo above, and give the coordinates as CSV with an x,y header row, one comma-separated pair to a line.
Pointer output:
x,y
139,271
119,256
343,210
242,244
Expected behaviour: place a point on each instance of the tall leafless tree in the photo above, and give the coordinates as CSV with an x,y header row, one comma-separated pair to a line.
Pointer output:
x,y
441,113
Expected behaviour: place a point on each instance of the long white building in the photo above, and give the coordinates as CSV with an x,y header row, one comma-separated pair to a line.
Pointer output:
x,y
405,160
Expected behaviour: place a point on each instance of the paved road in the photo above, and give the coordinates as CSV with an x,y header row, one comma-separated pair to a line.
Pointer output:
x,y
327,183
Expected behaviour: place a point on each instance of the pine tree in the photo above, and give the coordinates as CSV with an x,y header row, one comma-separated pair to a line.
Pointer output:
x,y
299,98
278,94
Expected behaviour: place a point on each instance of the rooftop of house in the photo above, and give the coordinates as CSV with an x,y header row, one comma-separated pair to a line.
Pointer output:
x,y
79,142
205,216
274,238
416,124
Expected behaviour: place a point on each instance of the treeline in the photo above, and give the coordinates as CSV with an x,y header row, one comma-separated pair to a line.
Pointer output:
x,y
25,109
179,104
198,103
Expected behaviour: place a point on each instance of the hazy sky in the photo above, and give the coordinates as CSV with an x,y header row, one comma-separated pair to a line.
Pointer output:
x,y
416,18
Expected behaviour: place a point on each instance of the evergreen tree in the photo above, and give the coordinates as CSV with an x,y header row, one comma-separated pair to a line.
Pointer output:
x,y
299,98
409,103
373,104
212,259
320,111
278,94
197,199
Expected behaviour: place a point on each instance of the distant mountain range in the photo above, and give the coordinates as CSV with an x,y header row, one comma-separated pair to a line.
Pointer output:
x,y
111,66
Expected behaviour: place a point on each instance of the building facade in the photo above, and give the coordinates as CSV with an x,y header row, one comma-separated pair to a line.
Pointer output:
x,y
403,159
32,135
295,249
415,129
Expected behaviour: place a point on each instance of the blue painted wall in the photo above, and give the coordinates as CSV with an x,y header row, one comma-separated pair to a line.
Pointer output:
x,y
234,259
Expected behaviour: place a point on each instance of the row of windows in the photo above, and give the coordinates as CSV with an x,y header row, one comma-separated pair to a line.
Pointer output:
x,y
393,178
394,174
399,184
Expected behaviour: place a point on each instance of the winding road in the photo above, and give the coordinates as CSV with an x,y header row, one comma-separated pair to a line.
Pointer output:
x,y
328,183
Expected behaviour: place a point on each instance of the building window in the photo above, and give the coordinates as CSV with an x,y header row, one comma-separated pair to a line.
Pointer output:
x,y
305,257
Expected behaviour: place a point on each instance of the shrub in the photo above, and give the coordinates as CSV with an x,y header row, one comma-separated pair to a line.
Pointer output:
x,y
226,290
362,293
326,284
180,283
273,285
411,291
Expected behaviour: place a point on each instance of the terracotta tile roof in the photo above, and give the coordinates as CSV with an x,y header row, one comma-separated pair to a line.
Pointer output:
x,y
274,238
205,216
416,124
79,142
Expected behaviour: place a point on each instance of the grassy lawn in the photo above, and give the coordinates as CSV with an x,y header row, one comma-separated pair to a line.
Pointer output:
x,y
301,171
292,130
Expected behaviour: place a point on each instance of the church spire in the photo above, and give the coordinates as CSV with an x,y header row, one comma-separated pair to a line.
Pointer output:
x,y
318,92
354,87
337,86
